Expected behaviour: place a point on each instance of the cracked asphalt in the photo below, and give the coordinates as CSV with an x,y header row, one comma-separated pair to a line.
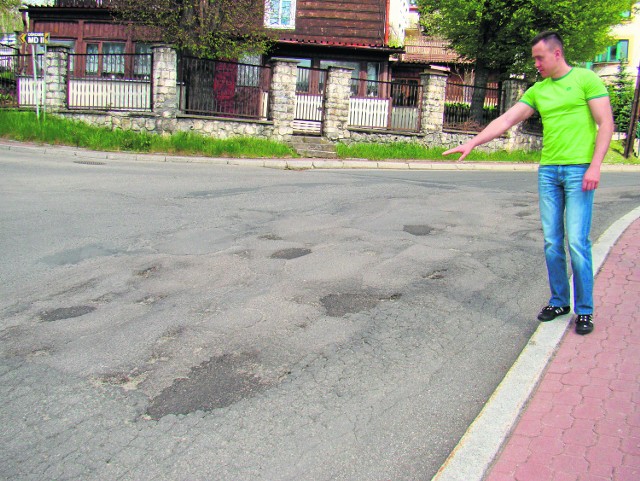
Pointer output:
x,y
196,322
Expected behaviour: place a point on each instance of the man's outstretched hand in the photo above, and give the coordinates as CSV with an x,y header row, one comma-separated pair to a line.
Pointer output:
x,y
463,149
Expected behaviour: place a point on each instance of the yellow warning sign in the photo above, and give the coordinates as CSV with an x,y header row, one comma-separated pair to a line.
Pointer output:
x,y
35,38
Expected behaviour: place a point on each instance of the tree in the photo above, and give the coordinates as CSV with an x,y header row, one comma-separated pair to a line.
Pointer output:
x,y
221,29
9,16
496,34
621,92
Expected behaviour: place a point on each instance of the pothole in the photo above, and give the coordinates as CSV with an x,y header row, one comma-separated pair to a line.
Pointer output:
x,y
436,275
418,230
523,214
338,305
148,272
65,313
292,253
271,237
128,382
216,383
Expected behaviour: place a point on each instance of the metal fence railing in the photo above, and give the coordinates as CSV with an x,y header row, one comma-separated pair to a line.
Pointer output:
x,y
9,71
385,105
471,108
110,81
226,89
533,125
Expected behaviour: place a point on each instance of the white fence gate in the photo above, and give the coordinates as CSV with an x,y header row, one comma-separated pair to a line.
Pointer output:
x,y
308,113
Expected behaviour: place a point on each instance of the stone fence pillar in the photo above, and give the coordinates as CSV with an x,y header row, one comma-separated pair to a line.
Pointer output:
x,y
336,103
164,81
282,97
56,72
434,85
512,90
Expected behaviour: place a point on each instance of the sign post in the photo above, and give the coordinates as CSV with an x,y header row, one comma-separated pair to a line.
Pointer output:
x,y
33,39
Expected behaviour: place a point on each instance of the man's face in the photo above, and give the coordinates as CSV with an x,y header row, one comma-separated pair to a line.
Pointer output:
x,y
546,58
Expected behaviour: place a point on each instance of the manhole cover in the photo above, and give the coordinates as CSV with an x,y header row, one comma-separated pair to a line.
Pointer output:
x,y
88,162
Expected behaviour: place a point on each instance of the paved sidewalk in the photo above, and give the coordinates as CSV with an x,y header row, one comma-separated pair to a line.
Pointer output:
x,y
583,421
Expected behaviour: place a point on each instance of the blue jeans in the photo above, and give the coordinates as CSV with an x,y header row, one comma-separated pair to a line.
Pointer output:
x,y
561,195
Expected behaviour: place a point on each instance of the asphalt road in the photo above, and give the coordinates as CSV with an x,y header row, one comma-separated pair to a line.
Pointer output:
x,y
193,321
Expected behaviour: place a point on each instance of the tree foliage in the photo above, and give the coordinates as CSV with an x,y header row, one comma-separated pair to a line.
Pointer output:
x,y
621,92
223,29
496,34
9,16
6,5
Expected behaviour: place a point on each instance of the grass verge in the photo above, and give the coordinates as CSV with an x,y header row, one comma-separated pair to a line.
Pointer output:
x,y
414,151
24,126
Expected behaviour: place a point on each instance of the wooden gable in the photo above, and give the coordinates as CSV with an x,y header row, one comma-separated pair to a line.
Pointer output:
x,y
357,23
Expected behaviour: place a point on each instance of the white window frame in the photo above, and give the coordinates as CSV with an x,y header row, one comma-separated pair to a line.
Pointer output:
x,y
273,14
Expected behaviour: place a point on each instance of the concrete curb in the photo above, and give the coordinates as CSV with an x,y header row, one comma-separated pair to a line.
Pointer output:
x,y
474,454
288,164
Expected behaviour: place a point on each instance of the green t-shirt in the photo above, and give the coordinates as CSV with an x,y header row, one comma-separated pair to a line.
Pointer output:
x,y
568,128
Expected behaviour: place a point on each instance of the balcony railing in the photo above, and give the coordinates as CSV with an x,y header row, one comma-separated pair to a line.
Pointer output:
x,y
429,49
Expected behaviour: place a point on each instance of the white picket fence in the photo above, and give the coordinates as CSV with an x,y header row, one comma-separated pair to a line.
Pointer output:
x,y
108,94
363,112
101,94
374,113
28,90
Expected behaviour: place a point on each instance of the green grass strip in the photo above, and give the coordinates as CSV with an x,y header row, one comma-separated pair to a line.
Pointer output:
x,y
51,129
415,151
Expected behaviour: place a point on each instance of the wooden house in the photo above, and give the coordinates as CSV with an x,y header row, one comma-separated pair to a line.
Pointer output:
x,y
87,27
361,34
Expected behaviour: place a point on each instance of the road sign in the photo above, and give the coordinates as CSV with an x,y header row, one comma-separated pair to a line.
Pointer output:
x,y
35,38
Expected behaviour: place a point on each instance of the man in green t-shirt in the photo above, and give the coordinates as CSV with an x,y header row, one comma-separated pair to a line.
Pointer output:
x,y
577,128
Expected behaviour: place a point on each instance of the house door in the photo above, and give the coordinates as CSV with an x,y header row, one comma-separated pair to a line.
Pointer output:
x,y
310,91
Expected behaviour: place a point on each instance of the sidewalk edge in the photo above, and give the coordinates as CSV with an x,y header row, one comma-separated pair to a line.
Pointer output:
x,y
476,450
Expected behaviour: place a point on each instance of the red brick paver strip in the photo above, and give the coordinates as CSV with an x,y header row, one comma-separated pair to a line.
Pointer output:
x,y
583,421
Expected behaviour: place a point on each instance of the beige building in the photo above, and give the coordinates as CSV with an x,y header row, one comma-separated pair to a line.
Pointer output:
x,y
626,49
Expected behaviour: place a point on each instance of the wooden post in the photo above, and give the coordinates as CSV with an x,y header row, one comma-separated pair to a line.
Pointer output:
x,y
631,132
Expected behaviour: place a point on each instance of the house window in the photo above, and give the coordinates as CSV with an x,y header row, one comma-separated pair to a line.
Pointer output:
x,y
280,14
616,53
142,60
113,61
91,66
362,71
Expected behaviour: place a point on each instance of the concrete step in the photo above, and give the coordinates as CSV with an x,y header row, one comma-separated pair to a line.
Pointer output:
x,y
315,147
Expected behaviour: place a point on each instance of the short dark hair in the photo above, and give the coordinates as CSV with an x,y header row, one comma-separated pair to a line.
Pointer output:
x,y
549,36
